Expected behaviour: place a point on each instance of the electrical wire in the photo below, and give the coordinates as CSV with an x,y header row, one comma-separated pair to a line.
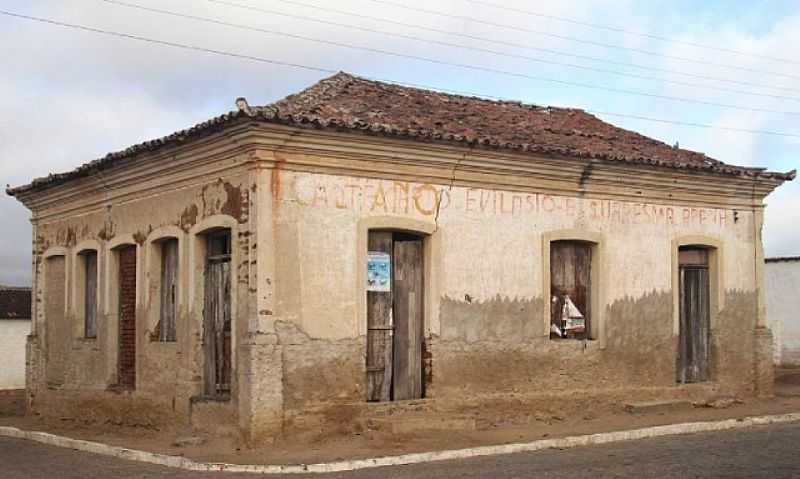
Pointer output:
x,y
464,66
578,40
240,56
630,32
489,51
512,44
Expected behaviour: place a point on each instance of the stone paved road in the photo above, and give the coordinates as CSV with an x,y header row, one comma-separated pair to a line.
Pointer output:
x,y
769,452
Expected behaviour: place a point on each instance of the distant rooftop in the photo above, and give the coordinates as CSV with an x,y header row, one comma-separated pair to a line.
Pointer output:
x,y
782,259
15,302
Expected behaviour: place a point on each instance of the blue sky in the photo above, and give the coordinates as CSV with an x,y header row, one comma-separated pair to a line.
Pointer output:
x,y
68,96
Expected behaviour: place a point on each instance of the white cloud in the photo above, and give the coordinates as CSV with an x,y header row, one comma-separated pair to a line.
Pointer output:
x,y
68,97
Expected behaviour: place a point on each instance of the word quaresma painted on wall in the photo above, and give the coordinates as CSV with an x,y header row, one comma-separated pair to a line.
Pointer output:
x,y
400,197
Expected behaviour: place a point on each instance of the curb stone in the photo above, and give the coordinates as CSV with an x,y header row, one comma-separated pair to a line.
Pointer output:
x,y
405,459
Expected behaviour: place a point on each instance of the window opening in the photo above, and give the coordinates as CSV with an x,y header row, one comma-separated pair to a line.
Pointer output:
x,y
166,329
90,293
570,290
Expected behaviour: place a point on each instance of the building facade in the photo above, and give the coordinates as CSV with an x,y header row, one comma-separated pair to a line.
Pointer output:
x,y
299,267
15,325
782,286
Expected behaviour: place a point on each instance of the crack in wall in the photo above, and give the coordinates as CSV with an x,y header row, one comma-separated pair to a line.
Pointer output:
x,y
449,189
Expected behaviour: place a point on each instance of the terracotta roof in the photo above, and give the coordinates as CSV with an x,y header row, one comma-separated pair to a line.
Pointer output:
x,y
348,103
15,303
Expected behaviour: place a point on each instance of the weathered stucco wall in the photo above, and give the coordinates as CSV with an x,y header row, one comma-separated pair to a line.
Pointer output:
x,y
782,286
299,301
13,335
168,374
485,318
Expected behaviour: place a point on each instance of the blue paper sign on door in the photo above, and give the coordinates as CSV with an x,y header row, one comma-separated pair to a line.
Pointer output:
x,y
379,271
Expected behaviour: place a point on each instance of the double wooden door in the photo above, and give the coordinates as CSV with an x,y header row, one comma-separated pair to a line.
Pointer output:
x,y
395,334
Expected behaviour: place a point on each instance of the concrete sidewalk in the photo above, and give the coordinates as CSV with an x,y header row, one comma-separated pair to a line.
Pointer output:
x,y
418,458
410,438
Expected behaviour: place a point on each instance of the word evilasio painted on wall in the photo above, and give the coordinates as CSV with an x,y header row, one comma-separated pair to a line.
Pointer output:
x,y
400,197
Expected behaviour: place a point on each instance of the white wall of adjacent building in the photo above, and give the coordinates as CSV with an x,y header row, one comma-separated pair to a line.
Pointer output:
x,y
782,283
13,334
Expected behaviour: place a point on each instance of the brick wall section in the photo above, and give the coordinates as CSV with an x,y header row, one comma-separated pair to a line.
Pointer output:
x,y
127,317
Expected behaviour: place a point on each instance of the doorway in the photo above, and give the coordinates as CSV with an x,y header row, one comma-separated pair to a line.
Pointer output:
x,y
217,315
395,316
694,315
126,368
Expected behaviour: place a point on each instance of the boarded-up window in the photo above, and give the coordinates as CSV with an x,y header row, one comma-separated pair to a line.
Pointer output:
x,y
127,317
570,290
217,315
169,275
57,330
90,293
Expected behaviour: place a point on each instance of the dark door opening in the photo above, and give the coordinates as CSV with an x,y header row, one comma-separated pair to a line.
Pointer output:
x,y
127,317
395,311
217,316
693,341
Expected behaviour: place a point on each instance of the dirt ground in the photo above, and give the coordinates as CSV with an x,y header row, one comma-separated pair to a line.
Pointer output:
x,y
372,443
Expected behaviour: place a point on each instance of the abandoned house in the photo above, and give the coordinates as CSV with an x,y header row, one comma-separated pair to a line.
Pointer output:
x,y
306,265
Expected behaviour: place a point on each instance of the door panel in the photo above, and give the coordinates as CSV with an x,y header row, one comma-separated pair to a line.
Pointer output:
x,y
217,328
408,316
379,329
693,343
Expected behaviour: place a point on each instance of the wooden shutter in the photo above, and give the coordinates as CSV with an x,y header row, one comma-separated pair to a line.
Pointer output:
x,y
408,318
169,275
90,294
217,328
379,330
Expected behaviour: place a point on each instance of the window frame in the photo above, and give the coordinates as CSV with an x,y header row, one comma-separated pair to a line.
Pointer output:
x,y
598,280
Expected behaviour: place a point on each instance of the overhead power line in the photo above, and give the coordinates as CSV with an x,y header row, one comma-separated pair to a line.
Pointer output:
x,y
165,43
263,60
465,66
489,51
630,32
497,41
577,40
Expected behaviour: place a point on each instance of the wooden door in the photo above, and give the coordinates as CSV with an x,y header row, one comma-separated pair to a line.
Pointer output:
x,y
570,277
379,329
169,286
693,343
408,315
217,327
58,333
127,317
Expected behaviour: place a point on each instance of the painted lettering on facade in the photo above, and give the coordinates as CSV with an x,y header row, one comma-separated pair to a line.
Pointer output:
x,y
399,197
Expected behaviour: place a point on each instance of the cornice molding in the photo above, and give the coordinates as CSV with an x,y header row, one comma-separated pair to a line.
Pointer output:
x,y
264,145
